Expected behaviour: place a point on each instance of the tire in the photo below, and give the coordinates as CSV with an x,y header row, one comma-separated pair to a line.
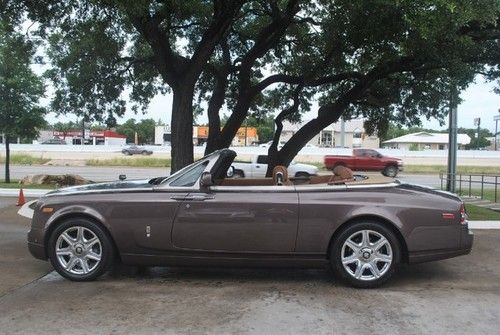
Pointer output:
x,y
302,174
78,259
349,247
145,153
238,174
390,171
127,153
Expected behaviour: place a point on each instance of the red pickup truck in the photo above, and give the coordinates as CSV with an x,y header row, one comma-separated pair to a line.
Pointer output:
x,y
366,160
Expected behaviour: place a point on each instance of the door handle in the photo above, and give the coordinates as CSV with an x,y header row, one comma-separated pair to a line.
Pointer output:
x,y
178,197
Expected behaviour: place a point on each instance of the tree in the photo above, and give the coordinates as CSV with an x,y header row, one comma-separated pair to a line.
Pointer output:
x,y
20,90
66,127
145,130
386,61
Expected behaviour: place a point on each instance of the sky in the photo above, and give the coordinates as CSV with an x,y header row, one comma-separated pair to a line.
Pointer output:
x,y
479,100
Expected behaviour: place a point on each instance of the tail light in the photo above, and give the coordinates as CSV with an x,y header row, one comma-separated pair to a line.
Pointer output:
x,y
463,214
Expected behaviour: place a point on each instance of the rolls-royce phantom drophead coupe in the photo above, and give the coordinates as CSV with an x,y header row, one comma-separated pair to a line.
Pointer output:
x,y
362,227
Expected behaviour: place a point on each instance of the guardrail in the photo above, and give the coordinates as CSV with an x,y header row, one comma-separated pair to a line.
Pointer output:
x,y
488,184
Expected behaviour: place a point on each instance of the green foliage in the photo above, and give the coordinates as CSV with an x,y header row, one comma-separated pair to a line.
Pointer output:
x,y
145,130
130,161
24,159
20,87
414,147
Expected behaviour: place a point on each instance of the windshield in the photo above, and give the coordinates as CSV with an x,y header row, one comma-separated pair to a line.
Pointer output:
x,y
188,168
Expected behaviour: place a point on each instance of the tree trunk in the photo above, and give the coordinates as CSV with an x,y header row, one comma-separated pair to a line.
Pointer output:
x,y
214,107
182,127
234,123
7,159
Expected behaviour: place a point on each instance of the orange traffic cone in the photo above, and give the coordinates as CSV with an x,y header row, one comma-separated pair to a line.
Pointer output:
x,y
21,201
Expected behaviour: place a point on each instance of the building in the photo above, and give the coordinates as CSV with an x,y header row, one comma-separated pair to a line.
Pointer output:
x,y
354,135
244,136
100,137
424,140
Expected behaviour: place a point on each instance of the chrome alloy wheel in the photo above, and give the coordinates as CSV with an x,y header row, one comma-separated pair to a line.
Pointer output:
x,y
78,250
366,255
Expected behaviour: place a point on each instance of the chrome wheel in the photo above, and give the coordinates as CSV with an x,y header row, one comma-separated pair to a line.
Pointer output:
x,y
366,255
78,250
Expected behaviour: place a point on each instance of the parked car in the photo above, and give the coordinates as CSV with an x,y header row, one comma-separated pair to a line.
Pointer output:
x,y
366,160
268,144
55,141
363,227
257,168
136,150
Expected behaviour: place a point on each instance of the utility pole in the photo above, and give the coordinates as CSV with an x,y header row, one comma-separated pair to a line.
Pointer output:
x,y
496,118
342,133
477,122
452,141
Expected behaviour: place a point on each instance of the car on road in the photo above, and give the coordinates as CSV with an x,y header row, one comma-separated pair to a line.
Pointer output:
x,y
366,160
363,227
136,150
257,168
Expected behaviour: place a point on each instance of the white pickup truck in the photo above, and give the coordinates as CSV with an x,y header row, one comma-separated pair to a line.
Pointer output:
x,y
258,168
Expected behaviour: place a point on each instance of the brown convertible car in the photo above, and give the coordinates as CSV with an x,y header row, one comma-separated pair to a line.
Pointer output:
x,y
362,227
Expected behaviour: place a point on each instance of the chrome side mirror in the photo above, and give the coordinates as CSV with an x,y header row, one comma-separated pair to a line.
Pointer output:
x,y
206,180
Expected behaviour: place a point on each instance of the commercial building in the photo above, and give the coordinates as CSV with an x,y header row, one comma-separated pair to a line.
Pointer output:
x,y
101,137
355,135
244,136
424,140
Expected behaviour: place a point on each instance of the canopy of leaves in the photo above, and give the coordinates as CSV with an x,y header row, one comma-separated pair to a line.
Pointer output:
x,y
20,87
145,130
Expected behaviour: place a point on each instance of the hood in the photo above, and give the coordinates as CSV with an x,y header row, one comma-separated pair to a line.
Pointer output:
x,y
116,185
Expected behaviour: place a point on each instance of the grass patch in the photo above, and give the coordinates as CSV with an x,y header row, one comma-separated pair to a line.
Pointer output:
x,y
480,213
15,184
135,162
433,169
23,159
488,194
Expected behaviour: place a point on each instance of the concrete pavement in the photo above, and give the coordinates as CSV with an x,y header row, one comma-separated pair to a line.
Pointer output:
x,y
456,296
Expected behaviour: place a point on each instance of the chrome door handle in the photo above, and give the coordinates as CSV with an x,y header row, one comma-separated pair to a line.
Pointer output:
x,y
199,197
178,197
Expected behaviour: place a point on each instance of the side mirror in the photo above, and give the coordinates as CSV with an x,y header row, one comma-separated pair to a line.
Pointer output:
x,y
206,179
230,172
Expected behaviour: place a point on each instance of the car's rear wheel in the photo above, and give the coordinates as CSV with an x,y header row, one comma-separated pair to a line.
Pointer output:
x,y
302,175
127,153
238,174
145,153
365,254
80,249
390,171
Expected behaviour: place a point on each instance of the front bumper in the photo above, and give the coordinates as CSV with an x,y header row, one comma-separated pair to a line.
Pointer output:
x,y
36,245
466,242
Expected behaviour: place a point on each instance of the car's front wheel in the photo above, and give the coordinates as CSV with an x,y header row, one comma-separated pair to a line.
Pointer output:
x,y
80,250
365,254
390,171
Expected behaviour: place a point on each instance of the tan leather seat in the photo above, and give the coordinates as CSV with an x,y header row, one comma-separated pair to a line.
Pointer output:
x,y
341,174
280,175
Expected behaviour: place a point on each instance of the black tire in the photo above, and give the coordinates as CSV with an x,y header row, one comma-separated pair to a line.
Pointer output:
x,y
145,153
337,247
238,174
127,153
106,249
390,171
302,174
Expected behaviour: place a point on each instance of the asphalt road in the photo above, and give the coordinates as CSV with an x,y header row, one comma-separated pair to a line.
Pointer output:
x,y
456,296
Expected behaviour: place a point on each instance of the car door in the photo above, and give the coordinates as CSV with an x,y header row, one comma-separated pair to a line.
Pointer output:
x,y
238,219
259,169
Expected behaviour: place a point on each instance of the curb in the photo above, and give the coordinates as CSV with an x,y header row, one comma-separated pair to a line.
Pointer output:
x,y
29,193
